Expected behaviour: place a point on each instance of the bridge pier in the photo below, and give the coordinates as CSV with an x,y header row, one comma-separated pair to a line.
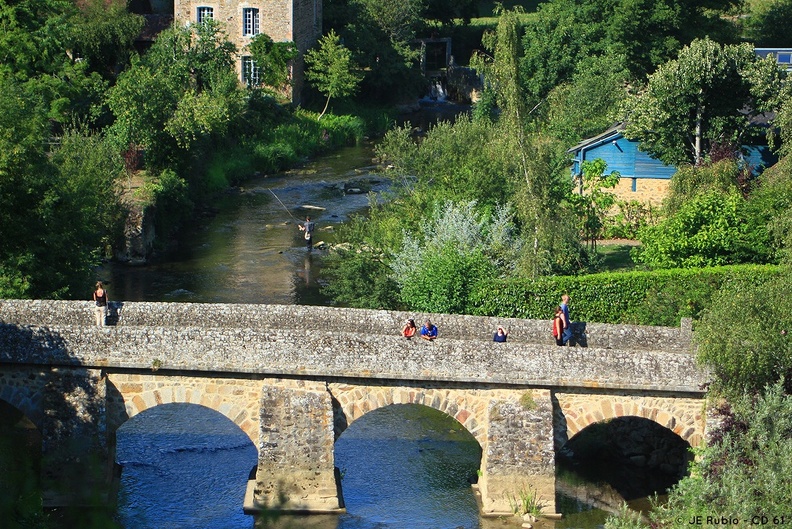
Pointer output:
x,y
296,469
76,468
518,457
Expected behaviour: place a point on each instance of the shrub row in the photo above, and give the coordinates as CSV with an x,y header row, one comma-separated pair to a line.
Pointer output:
x,y
659,297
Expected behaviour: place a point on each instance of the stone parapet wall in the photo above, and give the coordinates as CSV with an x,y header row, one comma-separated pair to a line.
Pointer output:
x,y
333,355
360,321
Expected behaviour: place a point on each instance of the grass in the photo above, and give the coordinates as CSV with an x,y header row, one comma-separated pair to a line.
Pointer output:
x,y
615,257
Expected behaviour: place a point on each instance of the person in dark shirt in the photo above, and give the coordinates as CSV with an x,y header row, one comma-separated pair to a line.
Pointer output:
x,y
308,227
500,335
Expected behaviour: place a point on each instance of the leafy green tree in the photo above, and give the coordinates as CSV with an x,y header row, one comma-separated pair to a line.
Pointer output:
x,y
331,70
458,247
57,211
767,23
710,229
181,94
709,95
379,35
743,337
104,34
37,47
273,59
645,33
589,102
591,201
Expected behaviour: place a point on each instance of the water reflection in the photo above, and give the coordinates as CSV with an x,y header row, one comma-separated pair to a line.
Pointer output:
x,y
183,466
408,466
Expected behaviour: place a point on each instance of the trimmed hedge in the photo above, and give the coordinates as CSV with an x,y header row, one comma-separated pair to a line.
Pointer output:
x,y
659,297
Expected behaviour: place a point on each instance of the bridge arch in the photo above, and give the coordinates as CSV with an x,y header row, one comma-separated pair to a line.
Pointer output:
x,y
352,402
684,417
26,400
235,399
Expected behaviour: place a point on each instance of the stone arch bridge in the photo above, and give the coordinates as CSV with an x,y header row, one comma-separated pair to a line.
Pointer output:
x,y
294,377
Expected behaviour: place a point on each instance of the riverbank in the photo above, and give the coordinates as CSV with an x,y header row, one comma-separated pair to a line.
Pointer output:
x,y
160,204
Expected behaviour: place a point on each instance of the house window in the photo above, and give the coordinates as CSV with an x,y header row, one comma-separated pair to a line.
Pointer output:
x,y
250,21
250,71
205,13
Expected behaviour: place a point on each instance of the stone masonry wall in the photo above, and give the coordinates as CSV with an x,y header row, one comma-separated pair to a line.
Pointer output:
x,y
311,318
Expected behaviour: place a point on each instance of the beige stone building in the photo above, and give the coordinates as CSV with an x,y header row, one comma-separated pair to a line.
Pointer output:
x,y
298,21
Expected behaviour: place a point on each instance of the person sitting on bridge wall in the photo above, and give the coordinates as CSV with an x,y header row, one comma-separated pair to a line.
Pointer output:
x,y
428,331
500,335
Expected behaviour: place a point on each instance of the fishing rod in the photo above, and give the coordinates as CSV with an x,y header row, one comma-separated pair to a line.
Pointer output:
x,y
284,205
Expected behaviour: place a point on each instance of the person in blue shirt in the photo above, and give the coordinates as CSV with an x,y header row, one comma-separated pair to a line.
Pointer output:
x,y
500,335
428,331
567,335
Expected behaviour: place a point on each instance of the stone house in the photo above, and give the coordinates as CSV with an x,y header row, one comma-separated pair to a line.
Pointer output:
x,y
298,21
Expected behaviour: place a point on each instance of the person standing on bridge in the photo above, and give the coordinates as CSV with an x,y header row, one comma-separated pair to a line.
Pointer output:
x,y
567,335
558,326
428,331
100,300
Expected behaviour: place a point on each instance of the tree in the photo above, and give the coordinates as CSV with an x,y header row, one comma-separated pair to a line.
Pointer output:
x,y
711,229
708,96
592,202
645,33
330,69
767,23
743,472
272,59
180,94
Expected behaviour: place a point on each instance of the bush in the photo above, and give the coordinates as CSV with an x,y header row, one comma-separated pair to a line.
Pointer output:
x,y
661,297
743,336
711,229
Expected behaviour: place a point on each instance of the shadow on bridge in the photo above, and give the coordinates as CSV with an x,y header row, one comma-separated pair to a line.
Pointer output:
x,y
67,410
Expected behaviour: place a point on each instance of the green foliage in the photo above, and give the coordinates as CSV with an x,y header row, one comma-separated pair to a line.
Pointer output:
x,y
773,200
169,194
56,213
587,104
331,70
180,95
709,229
743,336
629,218
642,33
662,297
360,278
273,59
525,501
592,203
767,21
455,249
104,35
745,470
708,95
